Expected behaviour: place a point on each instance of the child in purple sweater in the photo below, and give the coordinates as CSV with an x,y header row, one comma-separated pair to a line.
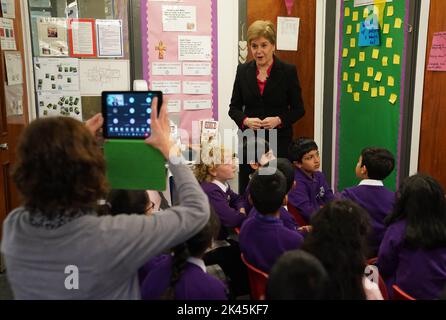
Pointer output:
x,y
374,165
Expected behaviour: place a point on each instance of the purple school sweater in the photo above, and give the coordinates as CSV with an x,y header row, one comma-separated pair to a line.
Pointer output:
x,y
263,239
194,283
310,193
420,273
285,217
226,205
378,201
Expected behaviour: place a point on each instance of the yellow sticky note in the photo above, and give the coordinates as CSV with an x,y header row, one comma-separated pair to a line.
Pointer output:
x,y
379,76
347,12
374,92
366,86
352,42
366,13
356,96
398,23
393,98
390,11
357,77
349,88
355,16
382,91
375,54
385,61
396,59
349,29
358,27
345,76
386,28
370,72
390,81
352,62
389,43
362,56
344,52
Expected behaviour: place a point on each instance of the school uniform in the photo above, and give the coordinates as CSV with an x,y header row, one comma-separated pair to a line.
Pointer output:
x,y
263,239
310,193
226,204
378,201
420,273
286,218
194,283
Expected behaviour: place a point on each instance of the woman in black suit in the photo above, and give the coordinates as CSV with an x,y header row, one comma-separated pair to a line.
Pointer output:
x,y
266,94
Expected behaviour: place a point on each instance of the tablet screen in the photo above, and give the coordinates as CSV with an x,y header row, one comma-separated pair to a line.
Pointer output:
x,y
127,113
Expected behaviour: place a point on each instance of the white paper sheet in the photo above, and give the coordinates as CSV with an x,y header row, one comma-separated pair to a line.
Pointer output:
x,y
174,106
287,33
14,100
52,34
360,3
197,68
99,75
56,74
14,71
7,34
197,87
179,18
197,104
83,38
194,48
8,8
109,38
166,68
60,104
167,87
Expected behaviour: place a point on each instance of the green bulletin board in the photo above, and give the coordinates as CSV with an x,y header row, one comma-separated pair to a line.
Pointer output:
x,y
369,91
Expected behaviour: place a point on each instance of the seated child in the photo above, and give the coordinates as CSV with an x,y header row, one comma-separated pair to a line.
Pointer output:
x,y
182,275
412,254
264,238
217,166
312,190
285,166
297,275
129,201
374,165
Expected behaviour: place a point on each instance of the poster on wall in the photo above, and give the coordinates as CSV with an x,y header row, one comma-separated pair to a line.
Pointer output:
x,y
287,33
109,38
7,34
60,104
56,74
8,8
360,3
14,100
14,72
179,18
82,37
437,56
52,33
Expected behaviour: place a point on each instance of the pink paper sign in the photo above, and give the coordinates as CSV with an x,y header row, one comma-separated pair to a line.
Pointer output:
x,y
437,58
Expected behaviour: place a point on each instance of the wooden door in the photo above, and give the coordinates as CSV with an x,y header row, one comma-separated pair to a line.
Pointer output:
x,y
11,125
304,58
433,123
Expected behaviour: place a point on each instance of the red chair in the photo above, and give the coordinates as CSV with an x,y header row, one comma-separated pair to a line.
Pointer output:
x,y
257,281
399,294
296,215
237,230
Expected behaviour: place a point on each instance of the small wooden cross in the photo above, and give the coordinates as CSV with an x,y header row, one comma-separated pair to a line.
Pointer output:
x,y
161,49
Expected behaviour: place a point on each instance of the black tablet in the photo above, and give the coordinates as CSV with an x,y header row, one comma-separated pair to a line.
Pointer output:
x,y
127,113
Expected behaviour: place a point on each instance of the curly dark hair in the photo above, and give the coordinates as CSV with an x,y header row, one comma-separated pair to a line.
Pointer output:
x,y
421,202
339,241
59,167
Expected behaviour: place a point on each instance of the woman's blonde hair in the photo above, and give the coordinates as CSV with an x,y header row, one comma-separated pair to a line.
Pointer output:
x,y
211,156
262,28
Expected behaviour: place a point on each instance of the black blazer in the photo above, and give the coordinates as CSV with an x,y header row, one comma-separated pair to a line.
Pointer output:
x,y
282,96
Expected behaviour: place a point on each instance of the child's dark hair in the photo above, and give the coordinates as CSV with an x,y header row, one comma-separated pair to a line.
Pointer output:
x,y
268,191
248,151
421,202
128,201
378,161
286,167
194,247
297,275
339,241
300,147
